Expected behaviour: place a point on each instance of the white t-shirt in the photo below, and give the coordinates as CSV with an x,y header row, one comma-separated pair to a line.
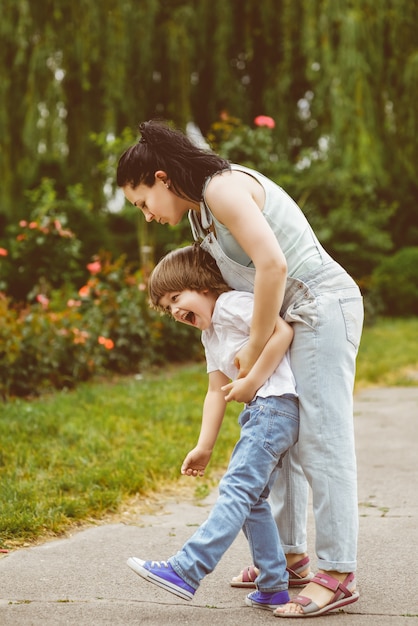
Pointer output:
x,y
229,332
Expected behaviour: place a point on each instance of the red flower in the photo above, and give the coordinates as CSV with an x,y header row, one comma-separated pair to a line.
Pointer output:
x,y
265,120
107,343
3,252
84,291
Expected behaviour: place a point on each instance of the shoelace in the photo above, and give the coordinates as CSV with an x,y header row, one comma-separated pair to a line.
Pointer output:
x,y
159,564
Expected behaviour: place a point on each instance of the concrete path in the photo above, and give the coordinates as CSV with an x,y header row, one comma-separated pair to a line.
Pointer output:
x,y
83,580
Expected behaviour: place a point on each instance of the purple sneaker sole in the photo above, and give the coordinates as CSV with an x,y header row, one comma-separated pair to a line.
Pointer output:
x,y
161,573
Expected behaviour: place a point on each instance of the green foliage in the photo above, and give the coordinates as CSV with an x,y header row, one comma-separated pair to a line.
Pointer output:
x,y
42,252
68,337
345,71
388,353
78,455
394,284
347,213
74,456
252,147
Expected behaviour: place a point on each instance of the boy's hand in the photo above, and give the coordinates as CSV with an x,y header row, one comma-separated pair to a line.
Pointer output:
x,y
195,462
240,390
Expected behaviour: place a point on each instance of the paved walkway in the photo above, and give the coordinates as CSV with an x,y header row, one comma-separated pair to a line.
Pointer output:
x,y
83,580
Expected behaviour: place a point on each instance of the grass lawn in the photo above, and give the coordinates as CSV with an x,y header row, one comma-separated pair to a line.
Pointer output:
x,y
76,456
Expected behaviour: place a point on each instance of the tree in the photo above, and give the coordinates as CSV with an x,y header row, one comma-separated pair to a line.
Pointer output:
x,y
340,78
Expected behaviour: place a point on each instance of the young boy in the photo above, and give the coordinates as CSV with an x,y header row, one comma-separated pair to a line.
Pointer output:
x,y
187,284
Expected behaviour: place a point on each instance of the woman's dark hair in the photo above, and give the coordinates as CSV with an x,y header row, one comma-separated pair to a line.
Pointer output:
x,y
164,148
189,267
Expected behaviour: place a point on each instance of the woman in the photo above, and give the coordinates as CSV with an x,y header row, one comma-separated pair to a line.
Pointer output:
x,y
263,243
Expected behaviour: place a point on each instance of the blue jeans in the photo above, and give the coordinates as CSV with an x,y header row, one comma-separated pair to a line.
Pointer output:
x,y
269,427
325,308
327,318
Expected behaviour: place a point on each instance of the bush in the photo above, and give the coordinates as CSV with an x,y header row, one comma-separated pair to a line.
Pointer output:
x,y
252,147
106,327
394,284
42,253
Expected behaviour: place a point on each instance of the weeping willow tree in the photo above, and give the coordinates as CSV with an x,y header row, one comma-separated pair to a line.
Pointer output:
x,y
339,76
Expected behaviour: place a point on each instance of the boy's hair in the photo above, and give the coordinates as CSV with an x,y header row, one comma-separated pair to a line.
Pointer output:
x,y
185,268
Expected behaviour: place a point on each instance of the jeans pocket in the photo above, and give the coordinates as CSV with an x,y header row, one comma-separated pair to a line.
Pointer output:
x,y
305,311
353,314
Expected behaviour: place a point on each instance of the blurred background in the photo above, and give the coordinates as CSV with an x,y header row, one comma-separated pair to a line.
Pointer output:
x,y
320,95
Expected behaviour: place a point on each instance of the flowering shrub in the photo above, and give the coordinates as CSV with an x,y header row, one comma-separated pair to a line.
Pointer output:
x,y
107,326
38,351
42,252
253,147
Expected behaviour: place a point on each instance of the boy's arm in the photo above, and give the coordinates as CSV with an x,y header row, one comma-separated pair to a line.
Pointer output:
x,y
244,389
213,413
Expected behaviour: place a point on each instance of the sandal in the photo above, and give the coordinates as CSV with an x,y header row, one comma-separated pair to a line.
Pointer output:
x,y
250,573
247,576
295,579
344,593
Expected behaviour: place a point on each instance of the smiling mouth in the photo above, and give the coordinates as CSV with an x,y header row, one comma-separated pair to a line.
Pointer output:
x,y
190,318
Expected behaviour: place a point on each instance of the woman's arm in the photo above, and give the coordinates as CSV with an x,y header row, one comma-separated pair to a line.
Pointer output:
x,y
213,413
236,200
244,389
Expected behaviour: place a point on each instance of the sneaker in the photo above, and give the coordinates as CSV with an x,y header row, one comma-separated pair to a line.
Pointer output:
x,y
162,574
267,601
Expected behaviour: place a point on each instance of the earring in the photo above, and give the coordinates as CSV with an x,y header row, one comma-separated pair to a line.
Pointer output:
x,y
168,185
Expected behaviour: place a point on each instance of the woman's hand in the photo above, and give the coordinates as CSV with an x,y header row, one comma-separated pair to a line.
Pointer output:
x,y
245,359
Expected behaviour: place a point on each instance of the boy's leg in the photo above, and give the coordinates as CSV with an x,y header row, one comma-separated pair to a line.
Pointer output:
x,y
263,538
268,428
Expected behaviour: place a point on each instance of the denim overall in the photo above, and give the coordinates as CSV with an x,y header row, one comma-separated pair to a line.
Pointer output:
x,y
325,309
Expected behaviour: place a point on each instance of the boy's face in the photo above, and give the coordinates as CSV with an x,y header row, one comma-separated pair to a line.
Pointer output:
x,y
194,308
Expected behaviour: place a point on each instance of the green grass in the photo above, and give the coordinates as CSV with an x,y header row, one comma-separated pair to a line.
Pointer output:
x,y
388,354
75,456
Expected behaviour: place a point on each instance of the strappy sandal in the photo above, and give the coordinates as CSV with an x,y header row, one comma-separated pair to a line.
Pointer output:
x,y
250,573
248,576
344,593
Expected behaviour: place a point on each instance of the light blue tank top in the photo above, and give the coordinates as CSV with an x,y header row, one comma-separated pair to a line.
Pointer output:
x,y
296,238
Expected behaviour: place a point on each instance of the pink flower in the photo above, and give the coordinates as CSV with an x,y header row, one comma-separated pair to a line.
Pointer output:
x,y
33,225
73,303
142,286
80,336
3,252
265,120
23,223
43,300
94,268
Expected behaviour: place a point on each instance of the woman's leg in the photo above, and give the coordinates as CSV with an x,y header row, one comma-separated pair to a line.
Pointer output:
x,y
323,359
289,502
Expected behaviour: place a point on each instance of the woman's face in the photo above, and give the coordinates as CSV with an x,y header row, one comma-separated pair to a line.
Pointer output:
x,y
158,202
